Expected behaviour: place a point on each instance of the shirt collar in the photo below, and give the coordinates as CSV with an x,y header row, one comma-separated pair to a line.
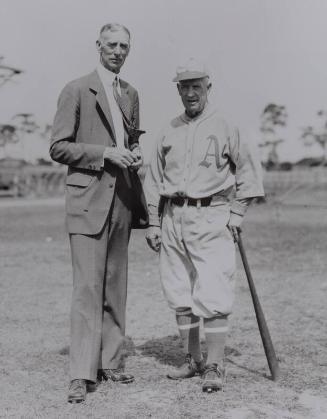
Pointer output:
x,y
107,77
206,111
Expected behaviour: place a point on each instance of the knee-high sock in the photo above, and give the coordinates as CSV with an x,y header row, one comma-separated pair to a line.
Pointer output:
x,y
216,330
189,329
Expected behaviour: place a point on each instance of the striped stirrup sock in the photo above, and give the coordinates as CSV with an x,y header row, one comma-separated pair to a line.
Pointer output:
x,y
189,330
216,330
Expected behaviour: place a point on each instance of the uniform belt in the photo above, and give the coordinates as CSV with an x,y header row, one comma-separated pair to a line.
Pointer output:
x,y
180,201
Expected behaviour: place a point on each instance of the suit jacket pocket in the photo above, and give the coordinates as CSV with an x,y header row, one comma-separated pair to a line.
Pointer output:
x,y
79,179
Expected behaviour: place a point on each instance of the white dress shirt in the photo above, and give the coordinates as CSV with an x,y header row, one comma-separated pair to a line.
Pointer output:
x,y
107,78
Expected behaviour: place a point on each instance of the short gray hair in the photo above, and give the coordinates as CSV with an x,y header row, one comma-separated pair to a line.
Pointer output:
x,y
113,27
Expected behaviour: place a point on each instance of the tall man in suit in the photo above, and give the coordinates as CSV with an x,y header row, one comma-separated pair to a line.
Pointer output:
x,y
95,133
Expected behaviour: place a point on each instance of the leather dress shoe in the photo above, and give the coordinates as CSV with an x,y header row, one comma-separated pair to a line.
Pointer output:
x,y
77,391
116,375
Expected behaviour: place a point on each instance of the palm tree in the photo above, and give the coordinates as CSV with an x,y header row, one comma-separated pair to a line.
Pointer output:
x,y
311,135
26,122
45,133
273,116
321,137
7,72
8,134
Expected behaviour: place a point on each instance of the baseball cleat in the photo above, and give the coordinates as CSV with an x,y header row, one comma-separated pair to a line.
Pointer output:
x,y
214,378
116,375
188,369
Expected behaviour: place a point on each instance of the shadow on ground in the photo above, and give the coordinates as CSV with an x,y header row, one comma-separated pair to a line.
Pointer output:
x,y
168,350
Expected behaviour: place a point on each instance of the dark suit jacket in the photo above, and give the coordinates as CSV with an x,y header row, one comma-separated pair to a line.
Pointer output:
x,y
82,128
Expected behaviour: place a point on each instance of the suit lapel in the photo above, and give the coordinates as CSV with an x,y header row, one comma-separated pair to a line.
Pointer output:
x,y
96,86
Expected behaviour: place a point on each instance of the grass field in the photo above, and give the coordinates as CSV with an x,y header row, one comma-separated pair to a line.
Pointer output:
x,y
286,248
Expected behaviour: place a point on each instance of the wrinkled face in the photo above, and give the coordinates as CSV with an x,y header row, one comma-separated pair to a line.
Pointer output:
x,y
194,94
113,48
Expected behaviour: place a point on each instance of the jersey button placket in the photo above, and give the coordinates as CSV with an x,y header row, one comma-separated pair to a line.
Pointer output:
x,y
187,167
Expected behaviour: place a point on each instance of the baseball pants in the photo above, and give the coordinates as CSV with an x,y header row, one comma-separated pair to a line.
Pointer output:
x,y
197,258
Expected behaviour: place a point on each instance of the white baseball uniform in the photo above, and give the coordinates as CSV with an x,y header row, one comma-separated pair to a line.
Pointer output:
x,y
198,158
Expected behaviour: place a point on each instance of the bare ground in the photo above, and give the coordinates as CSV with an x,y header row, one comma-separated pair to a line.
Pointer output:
x,y
286,249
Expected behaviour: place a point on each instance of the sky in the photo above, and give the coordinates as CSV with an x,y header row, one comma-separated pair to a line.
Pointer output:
x,y
258,52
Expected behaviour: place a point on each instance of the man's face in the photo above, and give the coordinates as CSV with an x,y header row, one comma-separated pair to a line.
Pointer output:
x,y
113,48
194,94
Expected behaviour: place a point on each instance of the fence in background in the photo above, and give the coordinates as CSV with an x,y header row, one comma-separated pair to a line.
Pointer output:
x,y
32,181
297,187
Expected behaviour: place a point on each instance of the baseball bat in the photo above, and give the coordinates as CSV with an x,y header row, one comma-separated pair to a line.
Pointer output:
x,y
262,324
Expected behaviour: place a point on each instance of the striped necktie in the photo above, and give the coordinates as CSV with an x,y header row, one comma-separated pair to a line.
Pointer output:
x,y
133,132
122,105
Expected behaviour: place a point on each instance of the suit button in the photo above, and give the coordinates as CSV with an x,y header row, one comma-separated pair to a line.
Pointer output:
x,y
111,185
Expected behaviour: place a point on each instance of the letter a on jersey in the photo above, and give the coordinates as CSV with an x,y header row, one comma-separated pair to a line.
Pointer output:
x,y
213,142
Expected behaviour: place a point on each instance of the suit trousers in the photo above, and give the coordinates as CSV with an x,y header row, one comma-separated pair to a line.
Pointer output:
x,y
100,290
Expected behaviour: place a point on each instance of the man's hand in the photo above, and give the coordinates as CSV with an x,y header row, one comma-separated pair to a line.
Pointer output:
x,y
137,153
234,225
120,156
153,237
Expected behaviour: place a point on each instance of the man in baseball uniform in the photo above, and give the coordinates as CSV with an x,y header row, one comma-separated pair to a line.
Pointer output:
x,y
198,161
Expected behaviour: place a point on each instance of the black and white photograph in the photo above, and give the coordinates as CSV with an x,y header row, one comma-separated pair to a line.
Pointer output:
x,y
163,209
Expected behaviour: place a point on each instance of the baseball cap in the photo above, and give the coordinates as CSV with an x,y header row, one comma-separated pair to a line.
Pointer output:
x,y
192,69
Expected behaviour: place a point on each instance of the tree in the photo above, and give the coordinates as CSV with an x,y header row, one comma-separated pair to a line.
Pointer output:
x,y
26,122
8,134
272,117
21,124
15,132
7,72
321,135
311,135
45,133
307,136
